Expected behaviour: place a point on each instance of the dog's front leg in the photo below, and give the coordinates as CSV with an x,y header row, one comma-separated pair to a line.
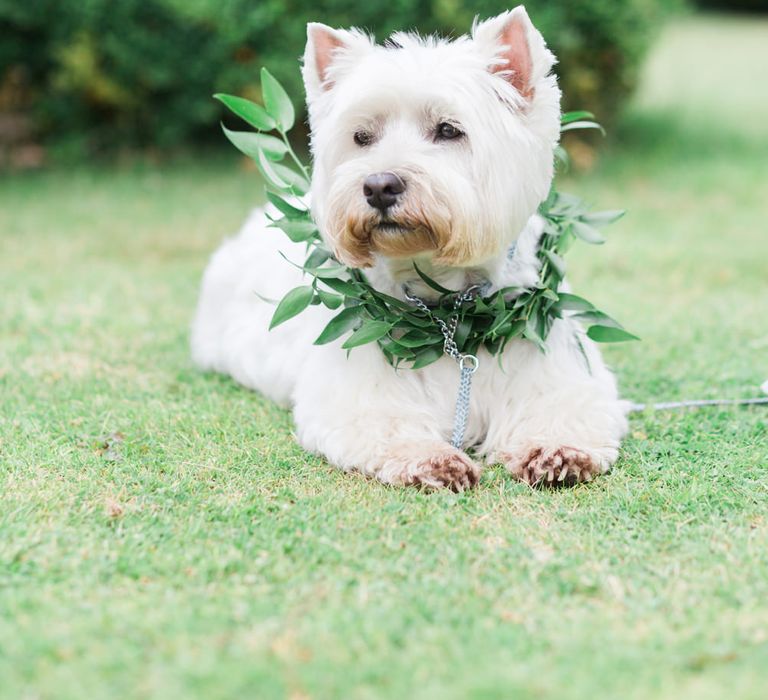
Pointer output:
x,y
557,418
362,415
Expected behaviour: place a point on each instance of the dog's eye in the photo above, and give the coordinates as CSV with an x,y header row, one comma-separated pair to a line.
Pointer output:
x,y
363,138
447,132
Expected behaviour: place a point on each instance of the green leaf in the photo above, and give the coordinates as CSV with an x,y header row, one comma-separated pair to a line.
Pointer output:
x,y
418,319
249,111
328,272
494,345
609,334
395,349
268,172
332,301
569,117
267,300
499,322
531,333
286,208
292,304
587,233
277,102
367,333
552,228
572,302
572,126
563,204
251,144
318,256
556,261
599,318
342,322
393,301
499,303
430,282
418,339
348,289
551,198
289,261
549,293
561,155
463,329
297,181
481,306
602,218
565,242
296,229
426,357
513,329
583,351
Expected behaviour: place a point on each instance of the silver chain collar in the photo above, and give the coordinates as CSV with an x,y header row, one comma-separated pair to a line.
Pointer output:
x,y
468,364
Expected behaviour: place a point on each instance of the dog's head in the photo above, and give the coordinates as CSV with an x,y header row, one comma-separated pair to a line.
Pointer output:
x,y
426,146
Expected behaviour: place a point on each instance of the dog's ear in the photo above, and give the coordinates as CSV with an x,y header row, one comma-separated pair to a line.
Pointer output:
x,y
514,49
327,53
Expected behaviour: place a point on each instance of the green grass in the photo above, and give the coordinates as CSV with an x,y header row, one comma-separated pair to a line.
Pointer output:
x,y
204,555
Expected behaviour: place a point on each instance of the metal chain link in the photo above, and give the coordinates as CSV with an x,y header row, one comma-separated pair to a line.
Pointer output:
x,y
468,364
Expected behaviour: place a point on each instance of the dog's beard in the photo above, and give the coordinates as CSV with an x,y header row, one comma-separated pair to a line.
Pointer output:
x,y
358,237
359,232
402,234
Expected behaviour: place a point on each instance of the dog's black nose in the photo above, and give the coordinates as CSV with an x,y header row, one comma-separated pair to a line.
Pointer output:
x,y
381,190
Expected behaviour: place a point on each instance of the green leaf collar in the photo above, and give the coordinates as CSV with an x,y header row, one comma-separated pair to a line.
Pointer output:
x,y
406,335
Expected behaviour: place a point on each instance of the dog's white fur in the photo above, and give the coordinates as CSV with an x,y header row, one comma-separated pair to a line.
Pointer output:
x,y
545,416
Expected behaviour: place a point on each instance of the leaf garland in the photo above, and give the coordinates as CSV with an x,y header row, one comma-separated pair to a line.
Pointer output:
x,y
405,334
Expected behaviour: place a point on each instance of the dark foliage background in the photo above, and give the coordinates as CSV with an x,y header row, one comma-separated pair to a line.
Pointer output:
x,y
105,74
735,5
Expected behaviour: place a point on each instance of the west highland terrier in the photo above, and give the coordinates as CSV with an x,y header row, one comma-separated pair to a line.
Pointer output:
x,y
436,152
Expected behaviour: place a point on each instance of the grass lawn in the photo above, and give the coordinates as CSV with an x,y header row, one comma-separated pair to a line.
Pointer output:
x,y
162,536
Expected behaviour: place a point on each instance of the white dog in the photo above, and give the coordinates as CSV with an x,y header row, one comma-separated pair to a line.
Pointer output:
x,y
437,152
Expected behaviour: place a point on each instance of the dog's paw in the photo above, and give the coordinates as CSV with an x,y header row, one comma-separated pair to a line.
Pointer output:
x,y
433,466
552,467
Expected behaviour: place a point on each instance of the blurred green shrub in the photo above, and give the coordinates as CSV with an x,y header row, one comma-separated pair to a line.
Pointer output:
x,y
141,72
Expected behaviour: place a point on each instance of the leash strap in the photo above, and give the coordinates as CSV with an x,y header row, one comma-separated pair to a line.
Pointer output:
x,y
468,364
670,405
